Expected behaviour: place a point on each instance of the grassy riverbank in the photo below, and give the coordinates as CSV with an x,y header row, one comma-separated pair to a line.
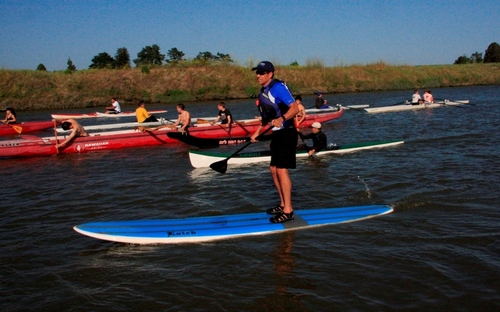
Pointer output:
x,y
37,90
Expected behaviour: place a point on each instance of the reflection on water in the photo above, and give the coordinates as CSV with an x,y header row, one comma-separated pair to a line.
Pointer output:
x,y
288,290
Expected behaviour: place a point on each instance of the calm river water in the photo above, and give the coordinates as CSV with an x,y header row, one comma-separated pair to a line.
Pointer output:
x,y
438,251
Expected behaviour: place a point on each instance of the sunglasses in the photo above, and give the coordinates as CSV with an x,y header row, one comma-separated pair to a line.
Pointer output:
x,y
261,72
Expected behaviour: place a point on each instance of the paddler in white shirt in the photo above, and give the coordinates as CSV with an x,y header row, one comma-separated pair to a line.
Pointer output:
x,y
416,98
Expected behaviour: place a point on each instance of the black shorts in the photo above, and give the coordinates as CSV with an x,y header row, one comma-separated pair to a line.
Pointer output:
x,y
283,148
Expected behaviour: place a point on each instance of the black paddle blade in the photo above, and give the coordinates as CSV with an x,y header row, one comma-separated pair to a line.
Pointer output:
x,y
219,166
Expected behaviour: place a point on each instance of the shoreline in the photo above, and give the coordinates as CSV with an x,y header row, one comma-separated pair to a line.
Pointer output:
x,y
39,90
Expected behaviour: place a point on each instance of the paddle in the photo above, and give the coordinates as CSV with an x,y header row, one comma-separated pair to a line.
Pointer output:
x,y
202,121
55,136
221,165
446,100
18,129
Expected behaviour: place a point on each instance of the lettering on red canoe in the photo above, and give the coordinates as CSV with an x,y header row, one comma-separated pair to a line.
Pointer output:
x,y
230,142
90,146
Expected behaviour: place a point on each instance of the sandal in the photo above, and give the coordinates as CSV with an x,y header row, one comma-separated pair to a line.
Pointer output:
x,y
284,217
275,210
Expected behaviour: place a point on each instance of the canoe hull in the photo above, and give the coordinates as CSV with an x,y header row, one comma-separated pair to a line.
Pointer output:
x,y
247,128
405,107
102,115
25,127
33,146
210,142
200,159
29,146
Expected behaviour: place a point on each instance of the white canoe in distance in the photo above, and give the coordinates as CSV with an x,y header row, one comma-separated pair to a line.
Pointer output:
x,y
103,115
408,106
197,122
162,121
335,108
202,159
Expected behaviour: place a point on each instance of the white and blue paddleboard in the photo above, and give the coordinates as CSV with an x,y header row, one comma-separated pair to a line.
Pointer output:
x,y
204,229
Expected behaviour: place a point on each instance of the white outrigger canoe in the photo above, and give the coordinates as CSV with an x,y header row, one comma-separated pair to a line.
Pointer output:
x,y
408,106
103,115
162,121
335,108
202,159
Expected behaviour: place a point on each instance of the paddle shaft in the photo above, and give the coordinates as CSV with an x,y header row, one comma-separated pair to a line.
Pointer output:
x,y
200,120
55,136
247,144
445,100
221,166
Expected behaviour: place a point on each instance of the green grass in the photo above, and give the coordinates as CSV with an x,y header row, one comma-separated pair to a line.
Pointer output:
x,y
36,90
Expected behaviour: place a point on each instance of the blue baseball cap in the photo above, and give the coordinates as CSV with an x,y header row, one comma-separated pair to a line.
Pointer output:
x,y
264,66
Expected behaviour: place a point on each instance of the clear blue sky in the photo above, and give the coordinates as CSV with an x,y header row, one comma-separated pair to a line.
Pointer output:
x,y
334,32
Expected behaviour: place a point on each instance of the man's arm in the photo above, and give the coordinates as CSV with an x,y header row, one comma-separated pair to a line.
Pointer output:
x,y
70,137
256,134
215,120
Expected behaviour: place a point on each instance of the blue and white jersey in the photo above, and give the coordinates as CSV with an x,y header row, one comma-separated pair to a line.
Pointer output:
x,y
274,101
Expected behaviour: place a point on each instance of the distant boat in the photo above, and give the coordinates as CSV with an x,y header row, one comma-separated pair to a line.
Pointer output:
x,y
103,115
30,145
25,127
408,106
201,159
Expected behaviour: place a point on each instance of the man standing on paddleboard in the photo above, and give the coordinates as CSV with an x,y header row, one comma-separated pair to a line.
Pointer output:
x,y
278,108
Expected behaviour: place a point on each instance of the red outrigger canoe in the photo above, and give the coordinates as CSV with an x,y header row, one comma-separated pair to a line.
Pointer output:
x,y
240,132
247,128
25,127
29,145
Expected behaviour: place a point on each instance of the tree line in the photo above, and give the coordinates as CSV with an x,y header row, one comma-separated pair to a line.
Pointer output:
x,y
491,55
148,56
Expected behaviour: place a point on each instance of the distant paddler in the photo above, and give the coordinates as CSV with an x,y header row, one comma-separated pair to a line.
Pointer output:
x,y
301,115
143,115
11,119
183,120
115,107
224,115
10,116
